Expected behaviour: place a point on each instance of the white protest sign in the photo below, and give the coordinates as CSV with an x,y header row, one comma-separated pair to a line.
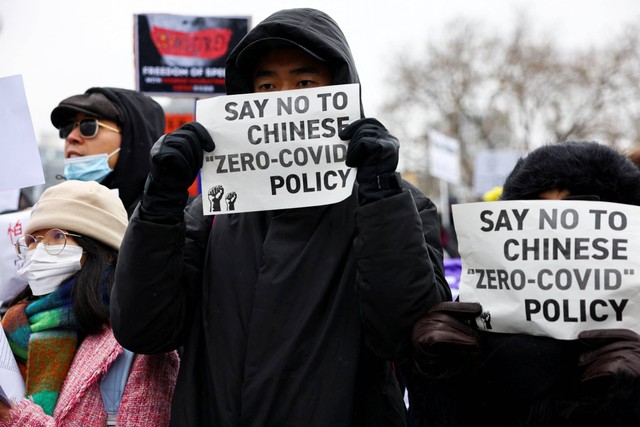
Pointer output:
x,y
277,150
20,164
9,200
444,157
551,268
12,227
12,387
491,168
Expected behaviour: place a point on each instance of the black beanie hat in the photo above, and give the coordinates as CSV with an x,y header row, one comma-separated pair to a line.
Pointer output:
x,y
584,168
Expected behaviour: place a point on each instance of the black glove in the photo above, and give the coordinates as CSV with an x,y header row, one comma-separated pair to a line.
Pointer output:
x,y
612,357
374,151
176,159
446,341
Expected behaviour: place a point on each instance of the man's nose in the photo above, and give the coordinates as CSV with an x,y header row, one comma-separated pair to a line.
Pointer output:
x,y
75,137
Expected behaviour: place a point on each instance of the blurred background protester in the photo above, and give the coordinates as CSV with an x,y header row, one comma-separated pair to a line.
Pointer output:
x,y
108,133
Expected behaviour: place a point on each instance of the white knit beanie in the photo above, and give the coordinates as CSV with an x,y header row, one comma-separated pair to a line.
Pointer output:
x,y
84,207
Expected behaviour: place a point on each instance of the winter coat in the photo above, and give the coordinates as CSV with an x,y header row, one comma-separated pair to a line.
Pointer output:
x,y
145,402
143,122
277,330
524,380
287,317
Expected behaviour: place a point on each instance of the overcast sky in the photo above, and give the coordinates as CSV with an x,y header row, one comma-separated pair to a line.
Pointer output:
x,y
63,47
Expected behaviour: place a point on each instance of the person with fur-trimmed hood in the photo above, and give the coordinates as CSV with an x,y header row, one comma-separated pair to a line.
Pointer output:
x,y
289,317
469,377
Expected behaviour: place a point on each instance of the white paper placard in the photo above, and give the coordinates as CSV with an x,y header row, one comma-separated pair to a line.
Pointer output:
x,y
20,164
551,268
277,150
12,387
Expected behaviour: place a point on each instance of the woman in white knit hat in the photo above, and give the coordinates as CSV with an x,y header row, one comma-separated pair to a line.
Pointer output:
x,y
59,330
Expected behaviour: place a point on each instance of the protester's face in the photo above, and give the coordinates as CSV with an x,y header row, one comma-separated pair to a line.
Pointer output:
x,y
106,141
289,68
554,195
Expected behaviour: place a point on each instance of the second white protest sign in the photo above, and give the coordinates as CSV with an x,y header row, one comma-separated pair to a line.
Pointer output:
x,y
551,268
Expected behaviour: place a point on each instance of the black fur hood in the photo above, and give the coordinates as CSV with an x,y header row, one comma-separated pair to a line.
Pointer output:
x,y
584,168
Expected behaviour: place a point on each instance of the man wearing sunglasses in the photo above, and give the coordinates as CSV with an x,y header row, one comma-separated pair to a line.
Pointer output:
x,y
108,133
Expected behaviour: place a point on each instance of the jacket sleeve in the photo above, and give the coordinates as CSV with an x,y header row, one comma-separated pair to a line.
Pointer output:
x,y
400,269
158,275
28,413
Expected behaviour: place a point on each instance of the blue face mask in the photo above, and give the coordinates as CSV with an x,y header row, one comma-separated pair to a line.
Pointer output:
x,y
88,168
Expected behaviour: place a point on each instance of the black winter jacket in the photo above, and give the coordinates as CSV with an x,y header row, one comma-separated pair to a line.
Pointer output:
x,y
523,381
288,317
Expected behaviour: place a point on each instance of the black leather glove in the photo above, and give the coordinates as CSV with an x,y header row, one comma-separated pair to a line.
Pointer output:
x,y
176,159
446,341
612,357
374,151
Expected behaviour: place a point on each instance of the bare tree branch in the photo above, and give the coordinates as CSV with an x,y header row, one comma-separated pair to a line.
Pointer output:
x,y
519,90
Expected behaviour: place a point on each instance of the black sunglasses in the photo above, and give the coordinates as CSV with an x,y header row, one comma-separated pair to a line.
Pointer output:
x,y
88,128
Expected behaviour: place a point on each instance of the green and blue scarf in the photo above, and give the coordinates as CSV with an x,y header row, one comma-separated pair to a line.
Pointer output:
x,y
43,336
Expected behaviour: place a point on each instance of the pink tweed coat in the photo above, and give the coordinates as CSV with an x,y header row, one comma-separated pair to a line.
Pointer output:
x,y
146,400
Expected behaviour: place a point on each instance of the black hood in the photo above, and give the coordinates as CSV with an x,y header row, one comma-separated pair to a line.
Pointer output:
x,y
312,29
143,122
584,168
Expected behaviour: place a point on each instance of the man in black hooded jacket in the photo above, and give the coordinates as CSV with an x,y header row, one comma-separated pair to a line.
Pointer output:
x,y
288,317
108,134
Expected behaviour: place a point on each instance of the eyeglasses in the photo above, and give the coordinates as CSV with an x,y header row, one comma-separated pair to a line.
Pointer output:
x,y
54,242
88,128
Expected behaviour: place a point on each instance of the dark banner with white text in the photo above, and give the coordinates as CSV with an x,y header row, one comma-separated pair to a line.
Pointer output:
x,y
184,55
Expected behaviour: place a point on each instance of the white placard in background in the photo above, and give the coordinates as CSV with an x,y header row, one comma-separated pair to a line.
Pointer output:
x,y
444,157
20,164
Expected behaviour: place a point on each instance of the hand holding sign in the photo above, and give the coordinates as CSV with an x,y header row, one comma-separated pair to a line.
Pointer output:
x,y
374,151
176,159
446,339
613,356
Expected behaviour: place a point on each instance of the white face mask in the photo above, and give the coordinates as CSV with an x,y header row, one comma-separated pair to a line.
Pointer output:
x,y
46,272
